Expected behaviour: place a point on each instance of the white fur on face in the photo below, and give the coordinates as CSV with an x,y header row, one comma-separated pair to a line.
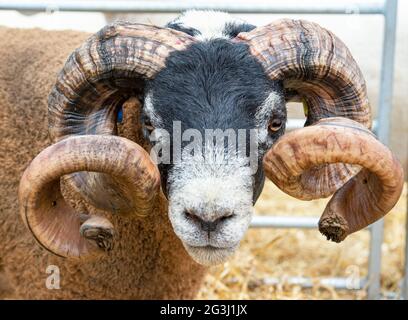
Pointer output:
x,y
211,188
211,185
210,23
149,110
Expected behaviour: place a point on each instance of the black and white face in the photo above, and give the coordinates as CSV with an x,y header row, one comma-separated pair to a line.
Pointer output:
x,y
211,115
207,24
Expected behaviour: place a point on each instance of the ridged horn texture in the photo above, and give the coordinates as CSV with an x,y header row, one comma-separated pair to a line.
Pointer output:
x,y
316,67
97,78
53,222
365,198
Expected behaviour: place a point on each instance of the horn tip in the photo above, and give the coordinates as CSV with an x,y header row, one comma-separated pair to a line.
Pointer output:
x,y
334,228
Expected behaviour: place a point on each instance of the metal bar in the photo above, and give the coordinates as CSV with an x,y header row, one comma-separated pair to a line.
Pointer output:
x,y
374,261
307,282
284,222
404,291
385,107
263,6
293,124
387,71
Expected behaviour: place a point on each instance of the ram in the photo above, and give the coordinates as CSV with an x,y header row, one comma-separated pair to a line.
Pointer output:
x,y
119,205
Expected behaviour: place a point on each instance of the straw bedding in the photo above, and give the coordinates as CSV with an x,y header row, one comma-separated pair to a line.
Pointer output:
x,y
282,253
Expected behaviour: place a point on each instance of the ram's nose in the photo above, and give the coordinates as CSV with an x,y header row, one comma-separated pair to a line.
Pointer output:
x,y
208,224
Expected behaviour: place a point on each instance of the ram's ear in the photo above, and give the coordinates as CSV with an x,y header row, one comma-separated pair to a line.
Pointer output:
x,y
128,121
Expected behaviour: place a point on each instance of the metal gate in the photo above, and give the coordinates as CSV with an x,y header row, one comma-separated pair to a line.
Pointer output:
x,y
387,8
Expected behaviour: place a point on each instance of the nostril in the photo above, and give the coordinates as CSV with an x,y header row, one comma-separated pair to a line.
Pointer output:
x,y
226,217
190,215
187,214
207,226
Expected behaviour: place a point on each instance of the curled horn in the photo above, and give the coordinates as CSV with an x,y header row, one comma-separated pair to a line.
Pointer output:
x,y
54,224
98,78
363,199
111,173
317,68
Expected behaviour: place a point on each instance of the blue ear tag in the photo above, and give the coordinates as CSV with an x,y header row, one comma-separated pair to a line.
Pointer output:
x,y
120,115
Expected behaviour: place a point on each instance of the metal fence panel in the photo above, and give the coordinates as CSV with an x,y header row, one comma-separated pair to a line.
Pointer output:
x,y
388,8
265,6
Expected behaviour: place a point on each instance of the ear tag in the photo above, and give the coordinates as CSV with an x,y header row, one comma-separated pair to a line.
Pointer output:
x,y
305,107
120,115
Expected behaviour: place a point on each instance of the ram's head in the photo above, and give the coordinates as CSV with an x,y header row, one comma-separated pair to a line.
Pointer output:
x,y
214,113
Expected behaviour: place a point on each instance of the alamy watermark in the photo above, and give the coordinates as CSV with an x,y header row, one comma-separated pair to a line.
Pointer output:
x,y
53,281
212,146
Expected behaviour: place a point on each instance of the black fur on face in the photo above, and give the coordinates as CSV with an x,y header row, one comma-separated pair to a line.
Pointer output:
x,y
179,27
214,84
232,29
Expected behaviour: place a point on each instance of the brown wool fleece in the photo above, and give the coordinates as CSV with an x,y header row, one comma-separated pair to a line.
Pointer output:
x,y
148,261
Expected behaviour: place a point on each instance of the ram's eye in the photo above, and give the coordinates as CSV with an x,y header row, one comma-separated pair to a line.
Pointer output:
x,y
275,125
